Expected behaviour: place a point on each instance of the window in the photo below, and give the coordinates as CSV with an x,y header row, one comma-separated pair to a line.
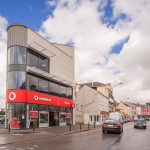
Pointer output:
x,y
43,86
97,118
63,91
17,55
54,88
43,63
18,111
36,60
91,118
32,83
16,80
32,59
69,92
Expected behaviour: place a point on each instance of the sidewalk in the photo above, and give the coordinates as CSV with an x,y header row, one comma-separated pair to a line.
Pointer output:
x,y
28,134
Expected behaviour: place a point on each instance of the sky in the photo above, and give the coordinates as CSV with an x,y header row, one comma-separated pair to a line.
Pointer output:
x,y
110,37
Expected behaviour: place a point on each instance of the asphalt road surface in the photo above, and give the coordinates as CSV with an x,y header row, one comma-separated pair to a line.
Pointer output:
x,y
131,139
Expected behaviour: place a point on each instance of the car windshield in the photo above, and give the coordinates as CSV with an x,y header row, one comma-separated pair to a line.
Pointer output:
x,y
111,121
139,121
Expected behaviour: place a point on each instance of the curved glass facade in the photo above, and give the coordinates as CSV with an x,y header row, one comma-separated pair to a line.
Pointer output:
x,y
17,55
16,80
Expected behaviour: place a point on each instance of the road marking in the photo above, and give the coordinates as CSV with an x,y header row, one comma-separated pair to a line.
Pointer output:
x,y
20,148
30,148
3,147
35,146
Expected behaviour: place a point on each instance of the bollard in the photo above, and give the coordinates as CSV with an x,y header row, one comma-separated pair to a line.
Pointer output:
x,y
70,127
88,125
9,128
80,126
94,124
33,127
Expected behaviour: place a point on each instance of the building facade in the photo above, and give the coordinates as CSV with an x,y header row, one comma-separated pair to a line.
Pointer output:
x,y
104,89
91,106
40,79
125,110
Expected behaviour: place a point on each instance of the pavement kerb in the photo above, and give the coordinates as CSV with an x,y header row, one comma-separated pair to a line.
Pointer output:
x,y
62,134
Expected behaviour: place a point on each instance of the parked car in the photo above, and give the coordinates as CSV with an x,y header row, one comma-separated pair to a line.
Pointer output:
x,y
112,126
125,120
2,119
140,123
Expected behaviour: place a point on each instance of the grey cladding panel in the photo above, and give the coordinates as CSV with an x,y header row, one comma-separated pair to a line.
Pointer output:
x,y
16,68
17,35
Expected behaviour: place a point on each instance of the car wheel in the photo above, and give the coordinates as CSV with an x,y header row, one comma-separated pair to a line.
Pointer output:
x,y
119,132
103,131
134,127
145,128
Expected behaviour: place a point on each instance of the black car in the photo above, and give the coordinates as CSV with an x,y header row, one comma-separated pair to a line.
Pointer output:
x,y
140,123
112,126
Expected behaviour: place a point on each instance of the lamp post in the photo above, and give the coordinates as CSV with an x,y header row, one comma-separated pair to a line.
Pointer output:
x,y
117,84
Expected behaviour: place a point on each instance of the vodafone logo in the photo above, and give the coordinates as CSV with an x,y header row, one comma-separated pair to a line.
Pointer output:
x,y
12,96
36,98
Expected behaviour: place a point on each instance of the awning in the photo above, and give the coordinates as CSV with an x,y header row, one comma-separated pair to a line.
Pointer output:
x,y
104,113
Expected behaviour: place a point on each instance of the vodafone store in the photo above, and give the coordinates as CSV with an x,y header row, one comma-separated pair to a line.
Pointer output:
x,y
40,80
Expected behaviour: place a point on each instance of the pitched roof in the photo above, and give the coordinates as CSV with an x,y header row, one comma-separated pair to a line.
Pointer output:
x,y
93,84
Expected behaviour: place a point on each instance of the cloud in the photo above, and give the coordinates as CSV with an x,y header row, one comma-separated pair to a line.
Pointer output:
x,y
81,22
3,53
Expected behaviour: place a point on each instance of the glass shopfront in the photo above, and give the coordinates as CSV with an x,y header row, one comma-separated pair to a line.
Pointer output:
x,y
17,115
24,115
43,118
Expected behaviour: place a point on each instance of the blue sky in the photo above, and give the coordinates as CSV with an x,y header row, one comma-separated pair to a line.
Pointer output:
x,y
28,12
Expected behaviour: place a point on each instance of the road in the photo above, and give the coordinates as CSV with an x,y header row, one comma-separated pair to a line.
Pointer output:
x,y
131,139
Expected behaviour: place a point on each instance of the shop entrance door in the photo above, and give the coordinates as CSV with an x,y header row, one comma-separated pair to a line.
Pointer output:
x,y
53,119
43,118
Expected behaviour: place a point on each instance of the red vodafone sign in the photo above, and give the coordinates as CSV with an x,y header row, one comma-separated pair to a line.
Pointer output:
x,y
24,96
33,114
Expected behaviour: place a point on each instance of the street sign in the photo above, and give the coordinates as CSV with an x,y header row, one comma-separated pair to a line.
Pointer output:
x,y
68,116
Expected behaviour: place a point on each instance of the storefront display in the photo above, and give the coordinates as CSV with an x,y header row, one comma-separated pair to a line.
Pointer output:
x,y
43,118
62,119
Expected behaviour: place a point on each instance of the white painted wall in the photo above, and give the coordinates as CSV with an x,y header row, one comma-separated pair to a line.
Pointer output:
x,y
92,103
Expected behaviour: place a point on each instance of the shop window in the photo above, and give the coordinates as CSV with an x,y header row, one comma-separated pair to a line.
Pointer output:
x,y
16,80
43,86
43,108
54,89
56,109
62,119
91,118
18,112
17,55
33,107
63,91
69,92
97,118
32,83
